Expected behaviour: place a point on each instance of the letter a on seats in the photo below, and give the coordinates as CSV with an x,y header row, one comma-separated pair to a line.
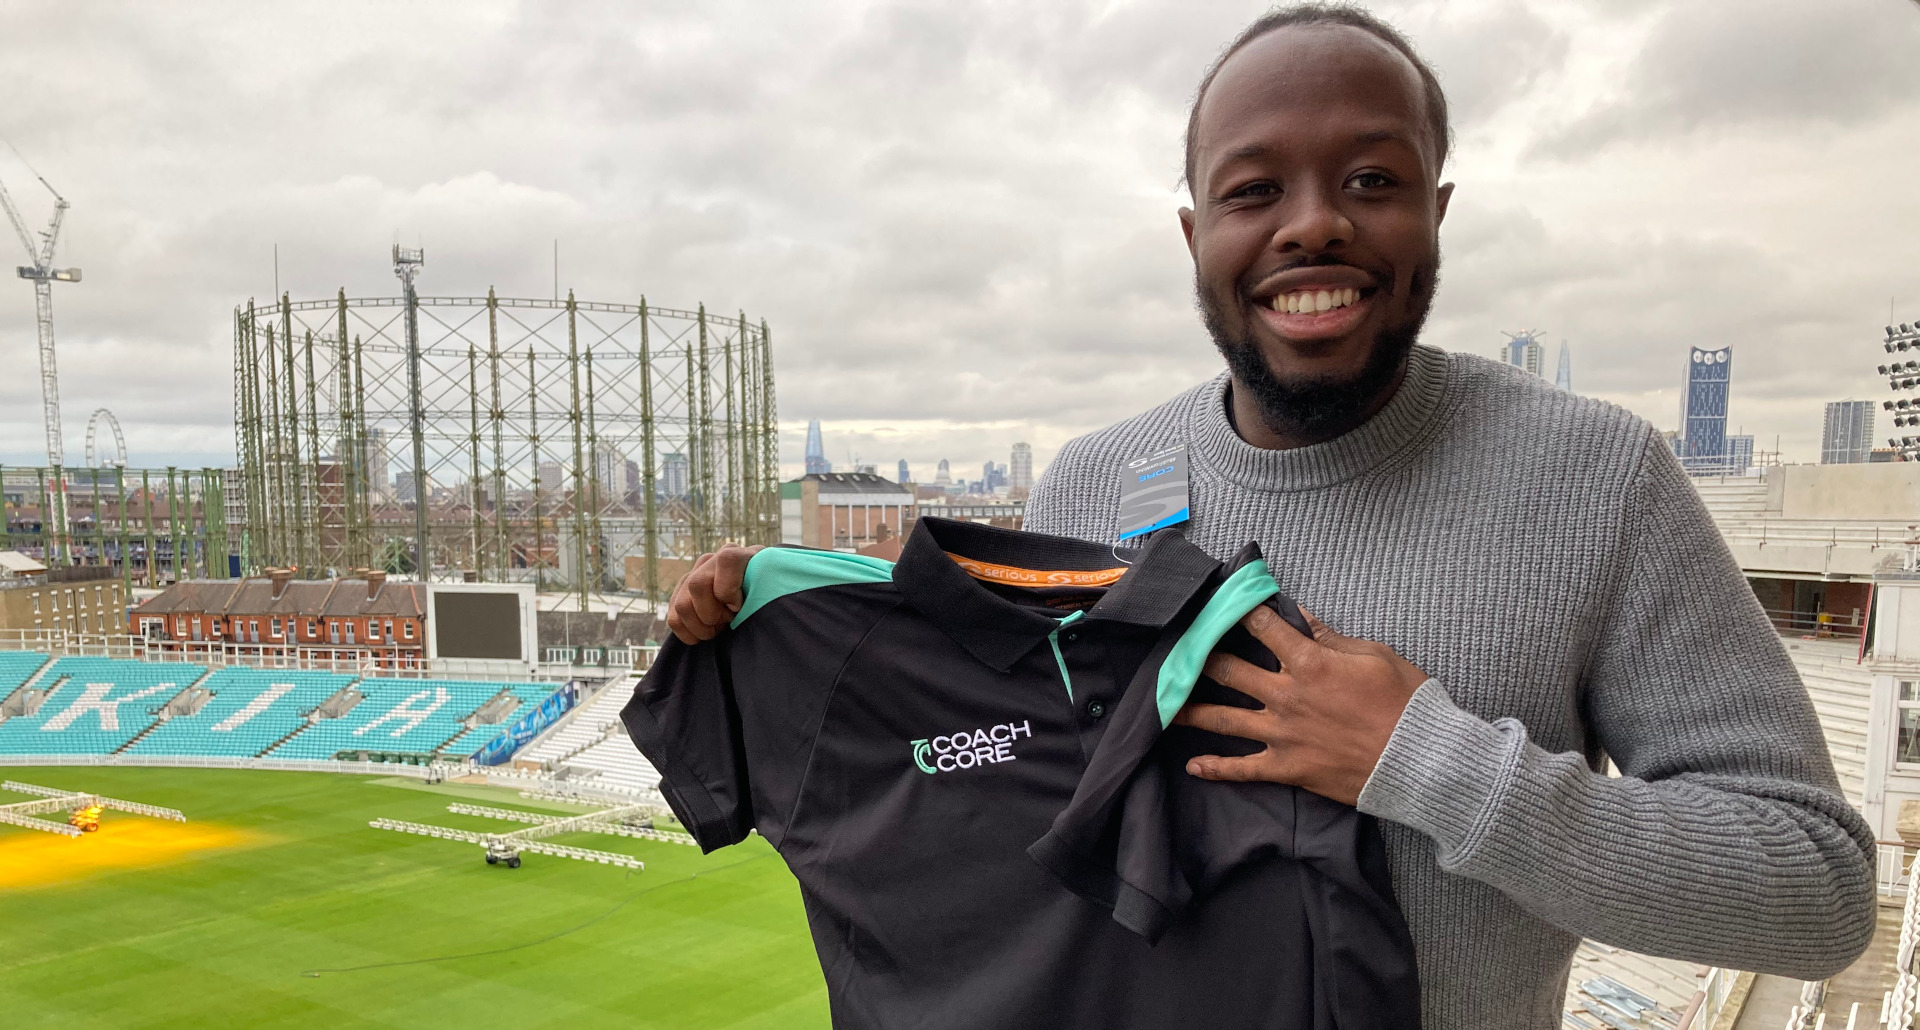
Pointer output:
x,y
408,715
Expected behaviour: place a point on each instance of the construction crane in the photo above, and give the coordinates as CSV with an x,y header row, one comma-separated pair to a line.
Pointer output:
x,y
44,275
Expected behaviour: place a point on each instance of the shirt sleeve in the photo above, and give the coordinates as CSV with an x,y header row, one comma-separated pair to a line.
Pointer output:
x,y
685,718
1725,839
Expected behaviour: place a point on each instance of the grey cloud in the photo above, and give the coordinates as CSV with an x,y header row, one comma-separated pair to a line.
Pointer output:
x,y
957,219
1488,58
1722,65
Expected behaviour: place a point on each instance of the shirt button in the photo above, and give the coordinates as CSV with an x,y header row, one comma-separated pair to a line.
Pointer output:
x,y
1096,709
1071,637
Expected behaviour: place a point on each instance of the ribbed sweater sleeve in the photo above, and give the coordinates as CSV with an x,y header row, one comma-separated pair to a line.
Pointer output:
x,y
1725,837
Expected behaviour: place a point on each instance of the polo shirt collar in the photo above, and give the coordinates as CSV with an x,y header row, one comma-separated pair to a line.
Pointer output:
x,y
1164,576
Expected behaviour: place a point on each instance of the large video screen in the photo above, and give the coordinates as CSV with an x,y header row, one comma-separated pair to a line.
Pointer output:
x,y
476,625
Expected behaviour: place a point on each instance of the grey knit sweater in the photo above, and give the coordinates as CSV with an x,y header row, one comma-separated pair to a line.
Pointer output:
x,y
1543,558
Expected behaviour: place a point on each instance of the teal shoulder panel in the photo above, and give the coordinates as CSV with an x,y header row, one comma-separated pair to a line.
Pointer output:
x,y
1249,585
775,572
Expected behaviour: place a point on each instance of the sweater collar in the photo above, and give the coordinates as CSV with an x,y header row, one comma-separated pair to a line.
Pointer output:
x,y
1219,449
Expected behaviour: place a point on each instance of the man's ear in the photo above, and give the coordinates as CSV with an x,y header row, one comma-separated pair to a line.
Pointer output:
x,y
1186,228
1441,198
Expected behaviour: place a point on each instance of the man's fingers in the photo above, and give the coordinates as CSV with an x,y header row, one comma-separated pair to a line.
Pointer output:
x,y
729,575
1287,644
1225,720
709,595
682,621
1328,637
1238,769
706,607
1244,676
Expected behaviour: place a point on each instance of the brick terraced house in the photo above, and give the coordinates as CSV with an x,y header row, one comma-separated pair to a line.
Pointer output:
x,y
354,618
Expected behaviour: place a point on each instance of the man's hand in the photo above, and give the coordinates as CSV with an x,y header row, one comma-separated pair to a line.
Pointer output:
x,y
1328,712
707,598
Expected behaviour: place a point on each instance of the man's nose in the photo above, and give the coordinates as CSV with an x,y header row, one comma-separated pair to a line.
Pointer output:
x,y
1312,222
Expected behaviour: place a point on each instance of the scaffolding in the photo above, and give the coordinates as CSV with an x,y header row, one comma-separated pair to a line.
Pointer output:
x,y
154,526
500,439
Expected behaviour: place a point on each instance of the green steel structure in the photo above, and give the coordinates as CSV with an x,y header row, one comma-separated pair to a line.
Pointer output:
x,y
500,438
155,526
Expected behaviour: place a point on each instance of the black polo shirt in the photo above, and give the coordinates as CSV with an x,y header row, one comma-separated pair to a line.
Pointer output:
x,y
965,759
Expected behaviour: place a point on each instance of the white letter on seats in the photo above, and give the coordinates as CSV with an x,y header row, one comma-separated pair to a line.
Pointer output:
x,y
94,699
405,712
260,703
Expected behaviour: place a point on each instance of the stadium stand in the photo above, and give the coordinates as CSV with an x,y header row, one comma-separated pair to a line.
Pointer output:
x,y
615,762
98,706
16,668
526,696
588,724
411,716
250,709
95,705
593,747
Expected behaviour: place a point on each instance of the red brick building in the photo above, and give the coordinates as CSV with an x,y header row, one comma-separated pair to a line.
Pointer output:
x,y
353,618
844,511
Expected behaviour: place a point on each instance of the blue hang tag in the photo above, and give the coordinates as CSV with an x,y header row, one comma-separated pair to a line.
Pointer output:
x,y
1153,492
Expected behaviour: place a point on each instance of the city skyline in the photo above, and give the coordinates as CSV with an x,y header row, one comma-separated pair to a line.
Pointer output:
x,y
1060,309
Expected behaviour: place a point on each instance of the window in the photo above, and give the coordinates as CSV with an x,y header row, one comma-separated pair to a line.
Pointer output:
x,y
274,625
350,639
406,630
36,604
1907,749
373,629
389,629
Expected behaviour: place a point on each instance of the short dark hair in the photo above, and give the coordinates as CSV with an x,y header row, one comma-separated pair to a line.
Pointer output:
x,y
1352,16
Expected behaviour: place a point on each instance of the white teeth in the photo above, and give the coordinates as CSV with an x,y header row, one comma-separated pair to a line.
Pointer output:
x,y
1314,301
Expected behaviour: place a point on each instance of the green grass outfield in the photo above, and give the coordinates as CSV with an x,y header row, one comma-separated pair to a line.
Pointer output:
x,y
221,938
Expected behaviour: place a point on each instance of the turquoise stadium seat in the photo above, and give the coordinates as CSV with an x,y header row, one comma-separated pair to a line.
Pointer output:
x,y
249,711
95,705
415,716
478,737
17,667
530,695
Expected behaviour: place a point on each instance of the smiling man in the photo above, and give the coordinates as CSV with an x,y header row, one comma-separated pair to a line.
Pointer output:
x,y
1527,583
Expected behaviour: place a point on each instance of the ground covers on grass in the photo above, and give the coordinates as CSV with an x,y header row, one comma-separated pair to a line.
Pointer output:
x,y
287,878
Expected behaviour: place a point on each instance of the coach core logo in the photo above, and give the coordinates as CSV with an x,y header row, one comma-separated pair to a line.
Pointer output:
x,y
966,749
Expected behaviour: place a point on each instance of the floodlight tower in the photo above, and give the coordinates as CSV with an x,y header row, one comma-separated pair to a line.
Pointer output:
x,y
406,265
1903,373
44,275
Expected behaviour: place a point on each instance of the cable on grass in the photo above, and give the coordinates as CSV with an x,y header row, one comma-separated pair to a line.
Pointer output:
x,y
609,913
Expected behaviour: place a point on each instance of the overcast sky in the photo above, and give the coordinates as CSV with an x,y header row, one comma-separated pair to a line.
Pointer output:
x,y
957,218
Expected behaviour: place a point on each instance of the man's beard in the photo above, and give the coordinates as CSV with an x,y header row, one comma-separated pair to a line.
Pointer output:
x,y
1316,408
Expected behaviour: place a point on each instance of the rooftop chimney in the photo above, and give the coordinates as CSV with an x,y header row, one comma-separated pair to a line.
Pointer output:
x,y
280,578
375,579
